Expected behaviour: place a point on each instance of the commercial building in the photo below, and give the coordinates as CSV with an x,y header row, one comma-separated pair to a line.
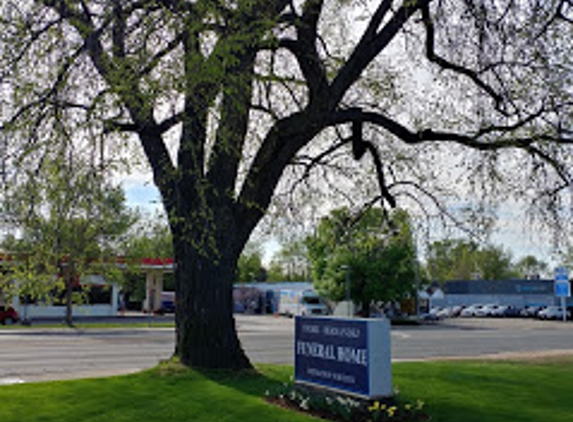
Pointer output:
x,y
517,293
100,297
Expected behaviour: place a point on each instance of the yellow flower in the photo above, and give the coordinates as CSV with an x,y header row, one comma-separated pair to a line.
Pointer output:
x,y
377,406
391,411
419,404
408,406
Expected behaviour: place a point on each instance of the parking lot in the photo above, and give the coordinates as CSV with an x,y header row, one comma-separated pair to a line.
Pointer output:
x,y
37,354
551,312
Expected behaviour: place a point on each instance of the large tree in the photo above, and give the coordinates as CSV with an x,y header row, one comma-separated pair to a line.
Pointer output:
x,y
378,254
223,95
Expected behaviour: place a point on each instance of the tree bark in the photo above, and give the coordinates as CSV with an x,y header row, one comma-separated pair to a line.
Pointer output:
x,y
206,331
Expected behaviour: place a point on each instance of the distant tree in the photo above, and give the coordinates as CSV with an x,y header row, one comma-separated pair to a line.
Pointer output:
x,y
495,263
451,259
457,259
275,271
380,257
150,238
72,224
566,259
290,263
250,265
530,267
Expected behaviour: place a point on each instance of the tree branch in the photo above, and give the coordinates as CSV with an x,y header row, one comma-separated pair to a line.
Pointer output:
x,y
369,46
445,64
307,53
427,135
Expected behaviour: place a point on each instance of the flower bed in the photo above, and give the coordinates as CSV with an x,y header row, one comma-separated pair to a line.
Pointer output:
x,y
343,408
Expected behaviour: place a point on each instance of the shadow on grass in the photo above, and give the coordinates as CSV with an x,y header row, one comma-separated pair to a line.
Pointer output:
x,y
252,382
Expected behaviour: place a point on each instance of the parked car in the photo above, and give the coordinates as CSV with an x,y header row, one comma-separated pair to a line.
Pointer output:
x,y
513,312
504,311
445,313
531,311
8,316
450,311
486,310
470,311
167,303
553,312
500,311
432,314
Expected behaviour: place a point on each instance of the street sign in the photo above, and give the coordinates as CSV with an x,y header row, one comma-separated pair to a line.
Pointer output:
x,y
562,274
562,289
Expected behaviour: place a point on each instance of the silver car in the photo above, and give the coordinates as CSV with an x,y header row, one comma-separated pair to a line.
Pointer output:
x,y
553,312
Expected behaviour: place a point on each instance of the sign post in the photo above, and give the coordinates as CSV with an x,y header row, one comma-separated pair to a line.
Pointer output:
x,y
346,355
562,287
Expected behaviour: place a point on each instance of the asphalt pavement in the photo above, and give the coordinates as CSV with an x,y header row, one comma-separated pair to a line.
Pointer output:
x,y
38,354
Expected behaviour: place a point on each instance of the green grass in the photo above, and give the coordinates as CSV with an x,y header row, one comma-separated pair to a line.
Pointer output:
x,y
490,391
452,391
164,394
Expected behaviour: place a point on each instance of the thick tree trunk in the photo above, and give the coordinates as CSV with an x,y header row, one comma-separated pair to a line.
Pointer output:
x,y
206,332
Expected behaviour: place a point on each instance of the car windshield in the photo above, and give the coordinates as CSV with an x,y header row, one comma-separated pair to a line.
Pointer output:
x,y
311,300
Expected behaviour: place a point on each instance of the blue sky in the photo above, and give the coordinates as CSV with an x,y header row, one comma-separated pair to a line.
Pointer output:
x,y
142,195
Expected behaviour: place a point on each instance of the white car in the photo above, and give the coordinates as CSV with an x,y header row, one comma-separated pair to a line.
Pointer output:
x,y
448,312
470,311
553,312
486,310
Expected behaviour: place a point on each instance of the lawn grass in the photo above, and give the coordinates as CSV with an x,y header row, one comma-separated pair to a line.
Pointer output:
x,y
491,391
164,394
452,391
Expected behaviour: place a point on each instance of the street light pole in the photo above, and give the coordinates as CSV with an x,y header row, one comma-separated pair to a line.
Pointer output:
x,y
347,269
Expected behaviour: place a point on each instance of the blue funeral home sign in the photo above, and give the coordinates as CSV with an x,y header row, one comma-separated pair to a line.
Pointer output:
x,y
348,355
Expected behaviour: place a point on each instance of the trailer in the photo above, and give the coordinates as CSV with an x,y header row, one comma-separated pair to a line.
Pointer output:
x,y
301,302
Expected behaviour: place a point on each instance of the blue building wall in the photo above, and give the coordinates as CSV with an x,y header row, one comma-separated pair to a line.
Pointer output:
x,y
517,293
